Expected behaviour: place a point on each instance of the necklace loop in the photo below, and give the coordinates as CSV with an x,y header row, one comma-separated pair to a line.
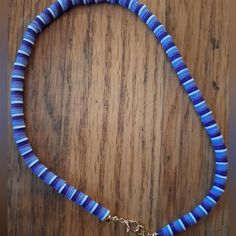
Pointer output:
x,y
37,26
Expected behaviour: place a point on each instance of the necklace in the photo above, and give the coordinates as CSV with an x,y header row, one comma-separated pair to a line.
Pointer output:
x,y
103,214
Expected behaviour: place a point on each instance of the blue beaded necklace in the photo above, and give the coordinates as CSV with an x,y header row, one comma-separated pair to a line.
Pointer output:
x,y
17,113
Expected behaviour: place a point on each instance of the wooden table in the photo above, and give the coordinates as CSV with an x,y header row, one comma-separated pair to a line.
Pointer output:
x,y
105,111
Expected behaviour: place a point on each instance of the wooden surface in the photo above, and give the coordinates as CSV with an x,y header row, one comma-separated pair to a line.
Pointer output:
x,y
105,111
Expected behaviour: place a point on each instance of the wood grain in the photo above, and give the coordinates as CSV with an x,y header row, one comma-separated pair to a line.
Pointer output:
x,y
105,111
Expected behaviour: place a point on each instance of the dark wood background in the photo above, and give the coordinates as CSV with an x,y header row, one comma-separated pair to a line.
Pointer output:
x,y
105,111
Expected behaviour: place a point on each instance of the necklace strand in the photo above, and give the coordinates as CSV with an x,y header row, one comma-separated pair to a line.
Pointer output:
x,y
17,113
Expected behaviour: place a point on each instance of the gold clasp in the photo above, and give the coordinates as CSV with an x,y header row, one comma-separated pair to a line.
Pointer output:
x,y
130,226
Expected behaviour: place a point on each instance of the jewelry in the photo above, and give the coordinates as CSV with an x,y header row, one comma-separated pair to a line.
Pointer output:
x,y
17,112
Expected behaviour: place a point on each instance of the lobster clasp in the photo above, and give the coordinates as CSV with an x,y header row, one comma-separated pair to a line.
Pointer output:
x,y
131,226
